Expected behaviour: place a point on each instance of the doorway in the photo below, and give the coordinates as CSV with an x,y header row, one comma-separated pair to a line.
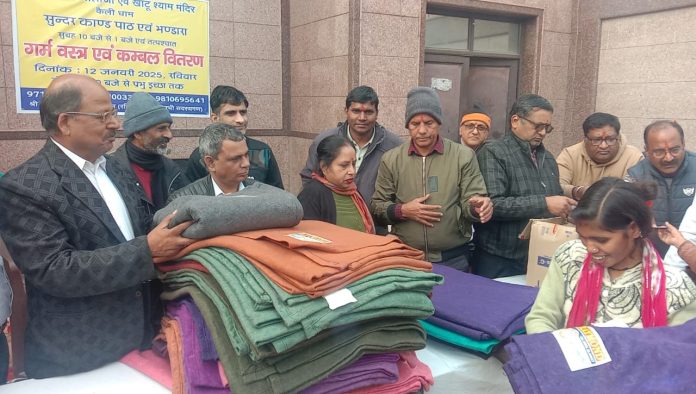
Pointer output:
x,y
465,84
473,64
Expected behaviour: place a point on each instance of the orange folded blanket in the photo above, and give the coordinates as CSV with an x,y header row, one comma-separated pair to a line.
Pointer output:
x,y
172,334
317,258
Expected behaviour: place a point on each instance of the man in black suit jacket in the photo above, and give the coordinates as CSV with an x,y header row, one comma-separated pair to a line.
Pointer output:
x,y
74,225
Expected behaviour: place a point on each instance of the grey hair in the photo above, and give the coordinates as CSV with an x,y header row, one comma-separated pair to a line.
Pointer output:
x,y
213,136
67,98
528,103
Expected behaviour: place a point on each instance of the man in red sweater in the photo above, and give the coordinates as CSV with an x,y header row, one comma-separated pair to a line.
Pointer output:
x,y
147,125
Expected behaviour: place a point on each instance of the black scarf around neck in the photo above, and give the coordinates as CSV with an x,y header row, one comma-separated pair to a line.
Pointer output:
x,y
154,163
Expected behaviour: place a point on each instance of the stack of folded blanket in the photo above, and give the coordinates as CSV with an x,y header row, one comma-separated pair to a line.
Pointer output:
x,y
477,313
651,360
313,308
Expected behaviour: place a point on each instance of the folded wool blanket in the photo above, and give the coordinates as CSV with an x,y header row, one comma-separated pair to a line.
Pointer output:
x,y
201,377
172,334
316,258
414,376
151,365
180,265
478,307
230,270
643,360
255,207
403,298
206,285
459,329
482,347
303,366
369,370
205,341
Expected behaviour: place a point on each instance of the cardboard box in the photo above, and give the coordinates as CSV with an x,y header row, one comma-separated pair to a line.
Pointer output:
x,y
545,236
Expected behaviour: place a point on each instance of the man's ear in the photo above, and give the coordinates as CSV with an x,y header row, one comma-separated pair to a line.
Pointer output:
x,y
514,120
62,124
209,163
214,117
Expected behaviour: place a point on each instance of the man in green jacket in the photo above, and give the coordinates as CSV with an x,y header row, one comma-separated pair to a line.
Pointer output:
x,y
430,189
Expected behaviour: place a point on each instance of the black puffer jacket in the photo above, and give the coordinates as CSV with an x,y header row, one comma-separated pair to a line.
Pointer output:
x,y
673,199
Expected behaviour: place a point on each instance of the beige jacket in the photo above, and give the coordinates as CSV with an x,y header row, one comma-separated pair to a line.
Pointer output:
x,y
576,168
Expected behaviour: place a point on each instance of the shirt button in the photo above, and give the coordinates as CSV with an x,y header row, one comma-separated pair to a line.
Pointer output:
x,y
138,293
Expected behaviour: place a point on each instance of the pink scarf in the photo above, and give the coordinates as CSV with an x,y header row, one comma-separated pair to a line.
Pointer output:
x,y
352,191
654,302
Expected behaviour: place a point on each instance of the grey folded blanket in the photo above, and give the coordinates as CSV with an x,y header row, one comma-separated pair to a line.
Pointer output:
x,y
255,207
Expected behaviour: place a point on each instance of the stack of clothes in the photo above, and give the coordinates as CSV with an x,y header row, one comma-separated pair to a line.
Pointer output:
x,y
475,313
650,360
314,307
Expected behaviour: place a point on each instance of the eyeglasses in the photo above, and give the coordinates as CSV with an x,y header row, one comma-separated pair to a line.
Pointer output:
x,y
482,128
538,127
103,116
611,141
661,153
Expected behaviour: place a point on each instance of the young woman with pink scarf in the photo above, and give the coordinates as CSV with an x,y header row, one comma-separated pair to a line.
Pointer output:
x,y
613,274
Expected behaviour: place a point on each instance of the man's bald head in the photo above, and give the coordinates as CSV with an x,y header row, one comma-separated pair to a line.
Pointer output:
x,y
79,113
63,94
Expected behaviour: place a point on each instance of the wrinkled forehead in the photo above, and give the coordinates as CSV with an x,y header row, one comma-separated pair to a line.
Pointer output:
x,y
604,131
367,106
664,136
421,118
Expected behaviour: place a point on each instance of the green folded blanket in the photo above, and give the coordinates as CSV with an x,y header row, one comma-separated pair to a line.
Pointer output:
x,y
269,315
484,346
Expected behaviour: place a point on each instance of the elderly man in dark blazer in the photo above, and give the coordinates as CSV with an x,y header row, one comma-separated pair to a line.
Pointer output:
x,y
73,223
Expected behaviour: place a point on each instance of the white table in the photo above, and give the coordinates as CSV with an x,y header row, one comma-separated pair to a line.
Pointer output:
x,y
114,378
454,370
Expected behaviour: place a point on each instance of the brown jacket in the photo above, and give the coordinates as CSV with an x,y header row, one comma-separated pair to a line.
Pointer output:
x,y
576,168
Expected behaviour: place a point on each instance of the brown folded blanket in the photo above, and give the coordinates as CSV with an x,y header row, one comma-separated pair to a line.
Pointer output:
x,y
317,258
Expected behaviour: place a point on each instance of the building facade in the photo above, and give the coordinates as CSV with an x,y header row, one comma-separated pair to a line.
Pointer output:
x,y
297,59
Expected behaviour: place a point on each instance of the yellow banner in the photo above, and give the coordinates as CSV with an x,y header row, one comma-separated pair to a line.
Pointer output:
x,y
158,47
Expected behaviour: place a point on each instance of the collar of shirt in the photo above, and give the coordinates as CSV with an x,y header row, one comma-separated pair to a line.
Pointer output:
x,y
439,147
525,146
218,191
96,174
350,138
81,163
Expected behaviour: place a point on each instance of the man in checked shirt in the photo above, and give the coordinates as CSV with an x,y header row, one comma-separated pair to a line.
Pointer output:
x,y
522,181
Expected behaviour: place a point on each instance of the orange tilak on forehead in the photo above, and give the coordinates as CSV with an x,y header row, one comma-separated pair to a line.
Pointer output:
x,y
362,106
421,118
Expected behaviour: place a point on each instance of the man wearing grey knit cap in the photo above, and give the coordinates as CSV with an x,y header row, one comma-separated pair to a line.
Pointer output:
x,y
430,189
147,125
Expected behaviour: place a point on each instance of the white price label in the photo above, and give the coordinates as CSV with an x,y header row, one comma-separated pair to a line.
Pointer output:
x,y
582,347
340,298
